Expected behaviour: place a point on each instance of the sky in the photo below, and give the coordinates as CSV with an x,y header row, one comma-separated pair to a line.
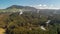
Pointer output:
x,y
34,3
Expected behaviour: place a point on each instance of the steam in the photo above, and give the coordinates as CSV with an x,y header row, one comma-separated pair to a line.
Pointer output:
x,y
48,21
21,12
43,28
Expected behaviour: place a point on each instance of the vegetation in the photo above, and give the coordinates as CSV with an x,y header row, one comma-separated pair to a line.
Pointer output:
x,y
29,22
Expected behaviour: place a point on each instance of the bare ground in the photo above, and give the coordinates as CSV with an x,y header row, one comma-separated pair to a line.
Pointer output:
x,y
2,31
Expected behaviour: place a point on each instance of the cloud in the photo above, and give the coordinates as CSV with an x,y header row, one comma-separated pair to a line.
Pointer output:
x,y
51,5
40,5
44,6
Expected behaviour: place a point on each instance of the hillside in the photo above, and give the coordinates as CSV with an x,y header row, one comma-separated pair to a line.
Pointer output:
x,y
29,21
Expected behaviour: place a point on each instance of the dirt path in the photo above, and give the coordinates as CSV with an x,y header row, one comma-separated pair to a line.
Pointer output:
x,y
2,31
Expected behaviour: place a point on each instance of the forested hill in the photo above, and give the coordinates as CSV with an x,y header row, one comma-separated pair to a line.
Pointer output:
x,y
22,7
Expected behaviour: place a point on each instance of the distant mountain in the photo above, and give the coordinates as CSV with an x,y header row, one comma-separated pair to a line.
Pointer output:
x,y
15,6
22,7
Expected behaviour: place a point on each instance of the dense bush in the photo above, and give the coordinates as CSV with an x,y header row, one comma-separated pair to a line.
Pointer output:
x,y
28,24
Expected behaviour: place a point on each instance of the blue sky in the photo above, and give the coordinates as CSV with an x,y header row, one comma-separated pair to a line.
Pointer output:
x,y
7,3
